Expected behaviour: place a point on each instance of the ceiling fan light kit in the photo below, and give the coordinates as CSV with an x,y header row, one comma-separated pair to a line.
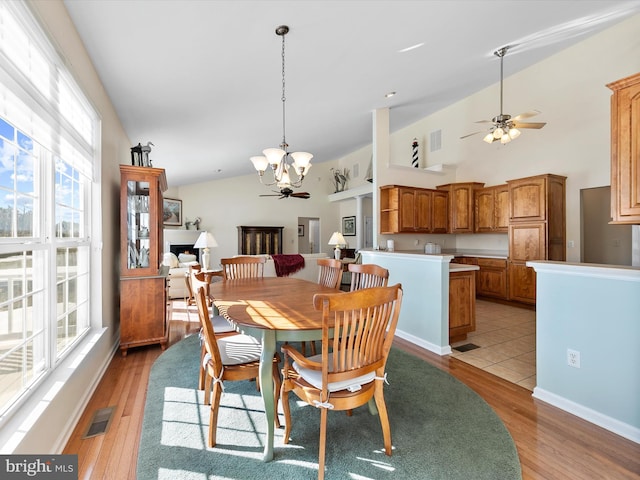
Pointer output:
x,y
276,158
505,128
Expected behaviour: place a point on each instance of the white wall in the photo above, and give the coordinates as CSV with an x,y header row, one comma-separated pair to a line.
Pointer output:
x,y
569,89
223,205
592,310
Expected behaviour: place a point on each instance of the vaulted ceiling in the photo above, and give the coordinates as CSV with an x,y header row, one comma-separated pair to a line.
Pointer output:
x,y
202,80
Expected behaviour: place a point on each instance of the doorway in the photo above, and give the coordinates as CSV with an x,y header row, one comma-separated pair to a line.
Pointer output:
x,y
308,235
600,242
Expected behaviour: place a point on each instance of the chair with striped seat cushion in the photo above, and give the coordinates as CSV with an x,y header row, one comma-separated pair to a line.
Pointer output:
x,y
230,358
357,330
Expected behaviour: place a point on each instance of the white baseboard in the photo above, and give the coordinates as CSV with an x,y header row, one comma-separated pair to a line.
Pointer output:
x,y
616,426
432,347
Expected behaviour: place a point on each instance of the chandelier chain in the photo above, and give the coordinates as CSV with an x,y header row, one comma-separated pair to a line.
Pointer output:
x,y
284,99
278,158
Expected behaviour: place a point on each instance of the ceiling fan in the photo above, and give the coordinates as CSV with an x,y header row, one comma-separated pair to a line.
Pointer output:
x,y
286,193
506,128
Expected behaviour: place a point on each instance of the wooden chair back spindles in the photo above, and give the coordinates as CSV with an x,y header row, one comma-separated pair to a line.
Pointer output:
x,y
243,267
357,331
329,272
367,275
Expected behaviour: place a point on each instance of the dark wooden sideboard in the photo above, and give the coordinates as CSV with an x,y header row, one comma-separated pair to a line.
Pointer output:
x,y
259,240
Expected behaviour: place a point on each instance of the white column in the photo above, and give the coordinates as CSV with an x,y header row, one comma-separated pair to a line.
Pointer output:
x,y
359,223
380,161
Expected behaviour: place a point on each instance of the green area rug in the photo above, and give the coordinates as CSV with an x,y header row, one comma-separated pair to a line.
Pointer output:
x,y
440,429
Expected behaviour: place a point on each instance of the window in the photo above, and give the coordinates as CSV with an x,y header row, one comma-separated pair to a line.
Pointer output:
x,y
48,155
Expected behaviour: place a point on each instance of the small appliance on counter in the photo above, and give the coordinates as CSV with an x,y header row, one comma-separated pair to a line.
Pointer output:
x,y
432,248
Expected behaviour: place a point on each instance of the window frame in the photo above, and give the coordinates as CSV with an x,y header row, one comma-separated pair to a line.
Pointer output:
x,y
80,148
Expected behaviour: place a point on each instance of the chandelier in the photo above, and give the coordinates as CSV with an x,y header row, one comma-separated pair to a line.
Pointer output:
x,y
277,158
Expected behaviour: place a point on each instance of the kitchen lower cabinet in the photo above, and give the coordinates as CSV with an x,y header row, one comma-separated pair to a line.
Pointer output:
x,y
462,304
522,283
491,279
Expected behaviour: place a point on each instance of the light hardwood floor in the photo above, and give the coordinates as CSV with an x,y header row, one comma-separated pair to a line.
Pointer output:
x,y
552,444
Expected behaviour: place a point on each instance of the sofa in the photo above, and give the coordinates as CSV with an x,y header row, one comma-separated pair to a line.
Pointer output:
x,y
179,268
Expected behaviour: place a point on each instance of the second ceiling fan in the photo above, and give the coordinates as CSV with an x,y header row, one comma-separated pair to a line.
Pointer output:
x,y
506,128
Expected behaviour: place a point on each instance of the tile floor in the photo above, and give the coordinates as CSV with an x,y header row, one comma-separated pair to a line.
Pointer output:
x,y
506,336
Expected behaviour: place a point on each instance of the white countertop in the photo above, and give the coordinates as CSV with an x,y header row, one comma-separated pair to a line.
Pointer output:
x,y
461,267
462,252
455,252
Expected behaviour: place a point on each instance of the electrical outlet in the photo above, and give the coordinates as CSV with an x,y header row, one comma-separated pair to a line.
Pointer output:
x,y
571,244
573,358
417,242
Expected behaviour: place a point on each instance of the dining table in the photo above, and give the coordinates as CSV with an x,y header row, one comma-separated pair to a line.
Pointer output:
x,y
271,309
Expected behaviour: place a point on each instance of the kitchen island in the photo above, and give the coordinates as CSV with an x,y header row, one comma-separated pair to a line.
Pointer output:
x,y
439,296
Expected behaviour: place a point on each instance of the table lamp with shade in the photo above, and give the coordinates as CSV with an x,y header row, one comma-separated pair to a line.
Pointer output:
x,y
337,239
205,241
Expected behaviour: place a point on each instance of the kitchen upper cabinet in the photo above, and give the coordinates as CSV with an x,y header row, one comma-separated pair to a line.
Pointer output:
x,y
491,209
411,210
528,199
440,214
461,205
625,150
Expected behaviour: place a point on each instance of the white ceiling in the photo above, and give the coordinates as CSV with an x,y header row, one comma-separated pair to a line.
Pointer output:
x,y
202,79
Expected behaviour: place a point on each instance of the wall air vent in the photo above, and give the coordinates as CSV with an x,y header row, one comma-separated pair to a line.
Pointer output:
x,y
435,140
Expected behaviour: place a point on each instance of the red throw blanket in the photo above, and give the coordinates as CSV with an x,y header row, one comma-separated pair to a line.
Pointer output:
x,y
287,264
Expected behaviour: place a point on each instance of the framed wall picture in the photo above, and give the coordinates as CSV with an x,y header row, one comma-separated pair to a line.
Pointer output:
x,y
348,226
301,230
172,212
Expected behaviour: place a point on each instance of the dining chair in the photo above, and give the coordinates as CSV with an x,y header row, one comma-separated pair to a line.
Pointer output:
x,y
221,325
243,267
329,272
367,275
229,358
357,330
329,275
196,267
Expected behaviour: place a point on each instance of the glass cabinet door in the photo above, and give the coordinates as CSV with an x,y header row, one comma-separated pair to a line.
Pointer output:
x,y
141,220
138,224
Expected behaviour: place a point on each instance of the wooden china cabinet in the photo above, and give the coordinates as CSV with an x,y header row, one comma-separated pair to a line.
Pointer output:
x,y
143,283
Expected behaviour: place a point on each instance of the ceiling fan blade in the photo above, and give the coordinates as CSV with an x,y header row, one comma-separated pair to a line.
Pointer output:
x,y
483,121
471,134
529,124
529,114
270,195
301,195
